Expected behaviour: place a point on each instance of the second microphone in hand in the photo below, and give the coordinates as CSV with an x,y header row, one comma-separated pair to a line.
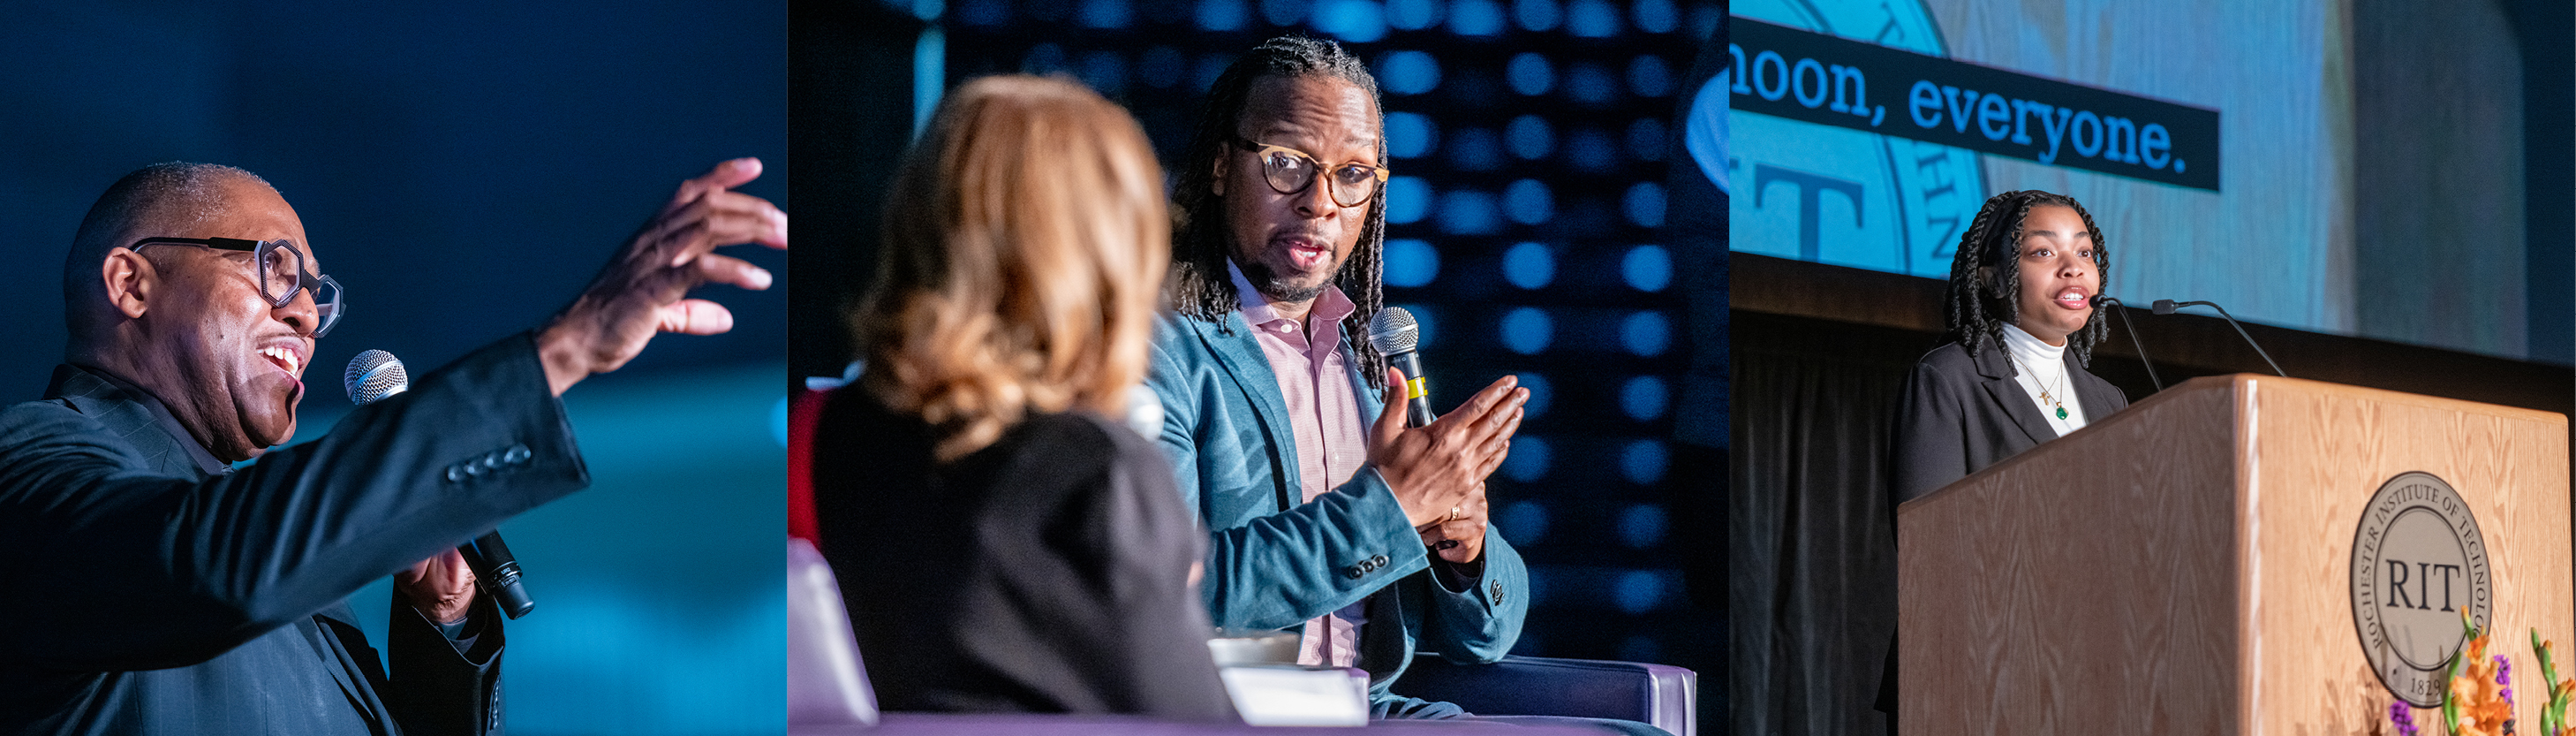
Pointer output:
x,y
375,375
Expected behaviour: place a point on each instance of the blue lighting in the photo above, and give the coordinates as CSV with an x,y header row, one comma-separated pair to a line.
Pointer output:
x,y
1541,395
1410,263
1529,137
1648,76
1528,461
1409,135
1640,648
1044,58
1640,591
1643,398
1591,84
1469,213
1655,16
1647,267
1526,330
1590,149
1106,13
1529,265
1642,526
1105,71
1412,15
1647,334
1536,15
1409,72
1209,68
1408,198
1161,66
1645,204
1643,462
1530,74
1476,18
1423,318
984,12
1222,15
778,422
1523,522
1284,12
1528,202
1646,139
1475,149
1353,21
1592,19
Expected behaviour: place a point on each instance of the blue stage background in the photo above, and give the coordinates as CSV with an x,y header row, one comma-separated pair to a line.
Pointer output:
x,y
463,170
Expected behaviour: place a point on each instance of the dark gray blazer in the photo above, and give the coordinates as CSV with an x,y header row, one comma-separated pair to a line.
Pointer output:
x,y
1959,414
152,591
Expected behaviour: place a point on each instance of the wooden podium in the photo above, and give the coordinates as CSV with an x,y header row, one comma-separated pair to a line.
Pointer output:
x,y
2186,565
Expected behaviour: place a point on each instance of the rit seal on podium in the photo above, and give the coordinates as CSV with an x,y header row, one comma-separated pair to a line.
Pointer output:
x,y
2417,562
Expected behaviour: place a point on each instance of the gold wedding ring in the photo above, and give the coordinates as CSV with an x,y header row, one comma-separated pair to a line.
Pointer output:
x,y
1453,515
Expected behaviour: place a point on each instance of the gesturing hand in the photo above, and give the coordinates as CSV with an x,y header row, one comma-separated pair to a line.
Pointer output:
x,y
642,291
441,587
1442,466
1460,539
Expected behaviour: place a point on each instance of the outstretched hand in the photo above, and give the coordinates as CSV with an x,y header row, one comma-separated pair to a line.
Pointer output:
x,y
643,291
1438,470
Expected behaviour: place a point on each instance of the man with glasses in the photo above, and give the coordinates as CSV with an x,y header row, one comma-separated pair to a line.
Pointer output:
x,y
155,589
1323,510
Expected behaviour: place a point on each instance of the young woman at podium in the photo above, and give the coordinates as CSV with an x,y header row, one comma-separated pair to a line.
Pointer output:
x,y
2022,325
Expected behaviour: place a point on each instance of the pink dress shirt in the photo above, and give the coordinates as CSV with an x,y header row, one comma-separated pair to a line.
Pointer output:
x,y
1332,437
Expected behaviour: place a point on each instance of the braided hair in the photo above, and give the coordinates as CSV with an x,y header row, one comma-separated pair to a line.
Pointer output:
x,y
1202,242
1985,273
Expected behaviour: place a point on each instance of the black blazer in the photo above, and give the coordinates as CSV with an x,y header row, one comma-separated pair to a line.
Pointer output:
x,y
1046,572
1959,414
153,591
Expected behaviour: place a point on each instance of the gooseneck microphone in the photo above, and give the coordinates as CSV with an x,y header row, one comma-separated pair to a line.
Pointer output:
x,y
376,374
2100,300
1396,336
2169,306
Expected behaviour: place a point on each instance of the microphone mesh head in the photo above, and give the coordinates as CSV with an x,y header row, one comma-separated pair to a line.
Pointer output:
x,y
1394,332
374,375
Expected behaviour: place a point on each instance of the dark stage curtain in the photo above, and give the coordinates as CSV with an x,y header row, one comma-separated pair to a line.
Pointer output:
x,y
1812,540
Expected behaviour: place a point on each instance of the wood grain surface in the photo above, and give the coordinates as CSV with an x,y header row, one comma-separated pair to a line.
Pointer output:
x,y
2180,567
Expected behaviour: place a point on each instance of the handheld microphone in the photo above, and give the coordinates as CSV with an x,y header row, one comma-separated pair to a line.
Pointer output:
x,y
2100,300
1396,336
2169,306
376,374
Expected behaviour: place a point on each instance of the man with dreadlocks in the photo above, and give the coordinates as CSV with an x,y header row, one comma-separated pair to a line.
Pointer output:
x,y
1322,509
2021,327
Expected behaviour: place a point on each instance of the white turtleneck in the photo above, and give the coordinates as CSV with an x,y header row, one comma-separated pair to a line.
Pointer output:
x,y
2040,366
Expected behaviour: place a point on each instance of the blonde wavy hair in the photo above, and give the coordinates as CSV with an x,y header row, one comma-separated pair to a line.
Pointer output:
x,y
1025,245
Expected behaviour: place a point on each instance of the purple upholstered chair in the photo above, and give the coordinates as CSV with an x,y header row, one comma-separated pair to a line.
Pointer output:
x,y
828,692
1662,696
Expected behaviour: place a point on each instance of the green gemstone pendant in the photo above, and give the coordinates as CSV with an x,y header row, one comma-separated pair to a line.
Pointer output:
x,y
2061,412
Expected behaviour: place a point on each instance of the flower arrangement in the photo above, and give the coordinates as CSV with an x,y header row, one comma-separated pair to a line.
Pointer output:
x,y
2480,701
2553,713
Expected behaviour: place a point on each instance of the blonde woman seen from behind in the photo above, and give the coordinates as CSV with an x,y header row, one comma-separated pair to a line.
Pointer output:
x,y
1001,543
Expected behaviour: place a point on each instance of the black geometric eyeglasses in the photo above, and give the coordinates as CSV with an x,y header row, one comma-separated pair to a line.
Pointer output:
x,y
280,273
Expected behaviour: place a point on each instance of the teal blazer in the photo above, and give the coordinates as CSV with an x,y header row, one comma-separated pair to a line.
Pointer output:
x,y
1274,562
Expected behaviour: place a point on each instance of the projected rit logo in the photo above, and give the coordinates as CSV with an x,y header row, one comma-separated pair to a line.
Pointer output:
x,y
1843,196
2418,561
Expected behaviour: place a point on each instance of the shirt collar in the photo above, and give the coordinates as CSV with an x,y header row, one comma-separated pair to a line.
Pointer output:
x,y
1331,306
